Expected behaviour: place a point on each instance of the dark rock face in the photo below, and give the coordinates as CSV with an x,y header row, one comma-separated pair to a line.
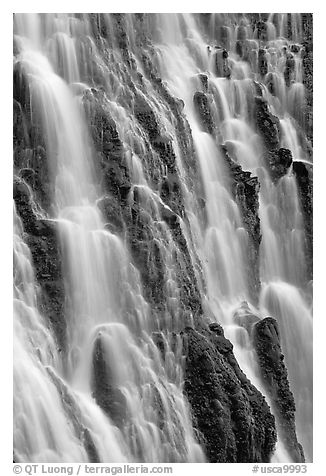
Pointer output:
x,y
201,103
270,83
267,124
304,176
307,60
262,62
245,190
146,117
266,340
279,161
232,416
106,393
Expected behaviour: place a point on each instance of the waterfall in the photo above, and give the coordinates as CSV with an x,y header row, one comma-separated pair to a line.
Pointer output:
x,y
132,133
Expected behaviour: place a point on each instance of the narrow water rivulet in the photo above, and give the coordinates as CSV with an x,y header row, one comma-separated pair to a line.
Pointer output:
x,y
163,195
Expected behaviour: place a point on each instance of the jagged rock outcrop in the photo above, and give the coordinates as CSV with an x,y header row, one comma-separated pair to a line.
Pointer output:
x,y
279,161
267,124
231,415
202,107
245,190
266,340
304,176
105,391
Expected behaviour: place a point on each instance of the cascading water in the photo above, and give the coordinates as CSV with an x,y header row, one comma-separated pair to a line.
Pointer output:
x,y
105,307
117,318
283,272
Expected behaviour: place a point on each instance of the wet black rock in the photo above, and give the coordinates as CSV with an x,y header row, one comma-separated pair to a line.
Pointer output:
x,y
146,117
229,412
279,162
202,106
245,190
266,340
164,147
105,391
295,48
262,62
304,177
267,124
